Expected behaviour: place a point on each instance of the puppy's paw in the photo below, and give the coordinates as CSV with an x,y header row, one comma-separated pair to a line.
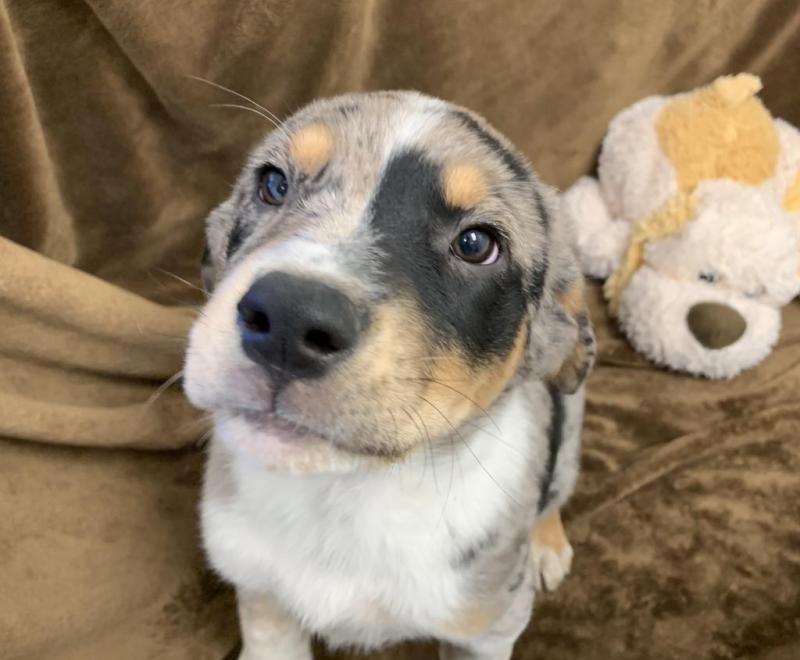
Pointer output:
x,y
550,565
551,552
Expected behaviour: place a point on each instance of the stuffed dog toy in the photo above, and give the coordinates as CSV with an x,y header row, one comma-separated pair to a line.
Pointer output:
x,y
392,354
694,219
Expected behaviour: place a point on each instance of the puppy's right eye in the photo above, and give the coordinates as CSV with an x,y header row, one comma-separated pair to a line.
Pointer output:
x,y
272,186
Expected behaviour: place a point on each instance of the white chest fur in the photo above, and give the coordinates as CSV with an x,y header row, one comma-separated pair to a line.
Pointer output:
x,y
366,558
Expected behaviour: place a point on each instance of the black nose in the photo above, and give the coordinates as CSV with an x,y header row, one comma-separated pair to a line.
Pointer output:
x,y
296,327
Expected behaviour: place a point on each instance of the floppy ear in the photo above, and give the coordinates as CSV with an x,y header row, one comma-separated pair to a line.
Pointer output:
x,y
562,346
207,276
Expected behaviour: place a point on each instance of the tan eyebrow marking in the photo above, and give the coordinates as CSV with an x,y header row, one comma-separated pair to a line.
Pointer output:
x,y
464,185
311,148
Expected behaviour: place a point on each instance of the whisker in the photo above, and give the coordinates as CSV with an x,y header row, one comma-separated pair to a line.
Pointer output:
x,y
433,462
471,400
235,93
428,445
174,378
175,338
170,295
472,423
396,428
452,474
474,455
180,279
248,108
203,439
499,439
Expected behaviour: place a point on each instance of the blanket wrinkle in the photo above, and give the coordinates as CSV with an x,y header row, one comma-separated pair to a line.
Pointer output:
x,y
48,223
662,461
117,37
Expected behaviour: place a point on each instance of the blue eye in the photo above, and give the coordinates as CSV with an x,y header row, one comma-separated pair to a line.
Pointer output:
x,y
273,186
476,246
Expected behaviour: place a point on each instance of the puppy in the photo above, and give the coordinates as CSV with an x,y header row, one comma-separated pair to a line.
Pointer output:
x,y
392,354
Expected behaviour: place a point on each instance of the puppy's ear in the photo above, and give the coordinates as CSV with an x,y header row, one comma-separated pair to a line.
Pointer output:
x,y
562,346
207,274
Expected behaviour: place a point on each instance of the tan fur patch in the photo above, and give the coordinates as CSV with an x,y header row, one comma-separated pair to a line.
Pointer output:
x,y
311,147
421,392
464,185
381,381
471,621
459,391
721,131
549,531
572,301
391,340
791,198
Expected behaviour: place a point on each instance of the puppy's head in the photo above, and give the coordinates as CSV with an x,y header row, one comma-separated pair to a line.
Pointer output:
x,y
385,268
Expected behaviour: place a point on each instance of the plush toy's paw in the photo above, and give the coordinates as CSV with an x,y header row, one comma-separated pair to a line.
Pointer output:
x,y
551,553
584,202
601,240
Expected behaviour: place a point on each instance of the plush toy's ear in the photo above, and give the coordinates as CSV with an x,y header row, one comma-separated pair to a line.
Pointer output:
x,y
562,346
791,196
787,176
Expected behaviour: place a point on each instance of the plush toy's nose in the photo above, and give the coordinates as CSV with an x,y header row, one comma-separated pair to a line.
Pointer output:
x,y
715,325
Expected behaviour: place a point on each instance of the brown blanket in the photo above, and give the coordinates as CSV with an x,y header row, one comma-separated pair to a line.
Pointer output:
x,y
686,520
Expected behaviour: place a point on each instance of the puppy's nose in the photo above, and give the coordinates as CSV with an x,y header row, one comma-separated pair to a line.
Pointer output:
x,y
715,325
296,327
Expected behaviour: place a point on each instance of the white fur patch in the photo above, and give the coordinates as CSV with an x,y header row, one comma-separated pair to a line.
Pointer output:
x,y
364,558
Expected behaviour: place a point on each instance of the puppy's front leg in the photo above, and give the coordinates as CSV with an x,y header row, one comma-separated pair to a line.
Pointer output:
x,y
449,652
551,552
268,632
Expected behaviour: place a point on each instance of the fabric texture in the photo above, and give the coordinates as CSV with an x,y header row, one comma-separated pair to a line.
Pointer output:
x,y
685,520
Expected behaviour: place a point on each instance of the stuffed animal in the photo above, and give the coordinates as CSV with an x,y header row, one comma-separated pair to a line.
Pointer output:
x,y
694,220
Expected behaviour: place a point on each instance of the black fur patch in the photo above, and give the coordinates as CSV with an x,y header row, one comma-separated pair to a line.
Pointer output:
x,y
235,238
319,175
479,308
524,549
348,109
468,556
511,160
516,581
534,287
544,216
555,437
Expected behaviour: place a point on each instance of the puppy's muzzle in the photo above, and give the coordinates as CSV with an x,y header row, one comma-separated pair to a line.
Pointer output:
x,y
296,327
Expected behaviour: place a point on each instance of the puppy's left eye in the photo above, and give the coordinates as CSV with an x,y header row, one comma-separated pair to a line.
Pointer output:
x,y
272,186
476,246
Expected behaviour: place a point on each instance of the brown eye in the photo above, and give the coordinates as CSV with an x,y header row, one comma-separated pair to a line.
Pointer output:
x,y
476,246
272,186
